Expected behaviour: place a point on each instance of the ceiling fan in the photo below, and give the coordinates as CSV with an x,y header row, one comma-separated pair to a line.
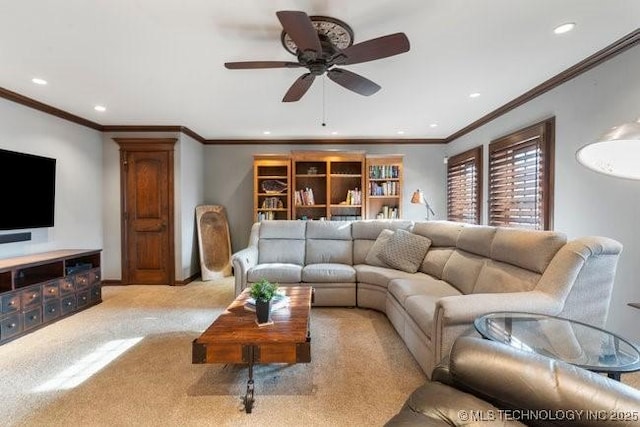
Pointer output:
x,y
321,44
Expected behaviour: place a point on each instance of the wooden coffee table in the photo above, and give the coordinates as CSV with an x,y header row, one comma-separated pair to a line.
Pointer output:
x,y
235,337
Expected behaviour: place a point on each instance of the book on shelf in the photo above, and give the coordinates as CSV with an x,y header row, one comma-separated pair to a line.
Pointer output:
x,y
279,301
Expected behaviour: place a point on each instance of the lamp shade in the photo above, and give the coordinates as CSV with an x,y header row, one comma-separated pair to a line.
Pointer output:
x,y
418,197
616,153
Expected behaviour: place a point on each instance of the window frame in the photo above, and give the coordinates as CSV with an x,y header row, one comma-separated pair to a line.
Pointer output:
x,y
474,156
544,133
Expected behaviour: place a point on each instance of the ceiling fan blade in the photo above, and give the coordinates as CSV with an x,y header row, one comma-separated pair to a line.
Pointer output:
x,y
249,65
353,81
301,30
299,88
377,48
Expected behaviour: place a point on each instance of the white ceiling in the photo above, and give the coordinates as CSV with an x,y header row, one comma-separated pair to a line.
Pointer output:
x,y
160,62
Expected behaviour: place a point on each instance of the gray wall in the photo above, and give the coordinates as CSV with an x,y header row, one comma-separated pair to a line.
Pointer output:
x,y
229,179
78,152
588,203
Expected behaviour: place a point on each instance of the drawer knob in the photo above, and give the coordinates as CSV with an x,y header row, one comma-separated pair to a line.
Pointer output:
x,y
68,303
52,310
33,317
52,291
12,325
33,296
12,303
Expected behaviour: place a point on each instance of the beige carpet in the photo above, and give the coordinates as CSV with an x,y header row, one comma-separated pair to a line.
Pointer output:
x,y
360,374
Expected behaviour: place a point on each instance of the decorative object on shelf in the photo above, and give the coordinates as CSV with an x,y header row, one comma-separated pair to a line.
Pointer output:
x,y
418,198
312,170
263,292
616,153
273,186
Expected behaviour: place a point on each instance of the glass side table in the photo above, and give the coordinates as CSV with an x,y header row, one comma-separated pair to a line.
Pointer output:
x,y
573,342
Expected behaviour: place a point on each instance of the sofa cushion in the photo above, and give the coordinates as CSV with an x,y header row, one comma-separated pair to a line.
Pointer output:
x,y
381,276
405,251
288,251
328,273
333,230
286,229
496,276
435,260
421,309
526,249
476,239
462,270
441,233
374,252
401,289
276,272
370,229
329,251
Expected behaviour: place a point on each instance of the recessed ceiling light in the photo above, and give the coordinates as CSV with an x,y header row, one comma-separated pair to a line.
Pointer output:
x,y
266,132
564,28
474,95
433,125
100,108
400,132
334,133
39,81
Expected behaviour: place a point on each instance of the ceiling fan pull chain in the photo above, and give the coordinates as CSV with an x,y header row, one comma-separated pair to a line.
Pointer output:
x,y
324,114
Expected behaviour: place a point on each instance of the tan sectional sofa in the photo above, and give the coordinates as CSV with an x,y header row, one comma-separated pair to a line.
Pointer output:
x,y
466,271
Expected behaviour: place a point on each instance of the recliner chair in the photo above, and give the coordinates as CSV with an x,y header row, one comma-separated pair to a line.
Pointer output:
x,y
490,384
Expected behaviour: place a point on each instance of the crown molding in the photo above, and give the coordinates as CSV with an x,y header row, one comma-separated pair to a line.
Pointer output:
x,y
630,40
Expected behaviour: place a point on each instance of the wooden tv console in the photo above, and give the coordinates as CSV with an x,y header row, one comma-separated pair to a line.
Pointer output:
x,y
39,289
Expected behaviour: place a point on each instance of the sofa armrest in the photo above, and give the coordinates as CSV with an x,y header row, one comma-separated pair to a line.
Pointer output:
x,y
454,315
242,261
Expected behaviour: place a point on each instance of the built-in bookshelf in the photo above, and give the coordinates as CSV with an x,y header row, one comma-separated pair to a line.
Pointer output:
x,y
328,185
384,186
272,186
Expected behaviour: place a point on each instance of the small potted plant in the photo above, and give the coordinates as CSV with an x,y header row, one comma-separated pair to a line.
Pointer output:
x,y
263,292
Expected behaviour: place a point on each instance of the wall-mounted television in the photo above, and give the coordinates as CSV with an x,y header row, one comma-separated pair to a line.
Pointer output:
x,y
27,190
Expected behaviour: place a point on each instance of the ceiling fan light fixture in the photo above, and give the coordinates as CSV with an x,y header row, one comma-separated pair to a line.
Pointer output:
x,y
616,153
332,30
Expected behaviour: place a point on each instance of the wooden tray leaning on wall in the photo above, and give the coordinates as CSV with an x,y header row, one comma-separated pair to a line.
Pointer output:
x,y
214,242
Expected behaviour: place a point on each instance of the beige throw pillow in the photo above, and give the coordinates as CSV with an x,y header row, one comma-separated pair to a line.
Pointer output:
x,y
405,251
372,257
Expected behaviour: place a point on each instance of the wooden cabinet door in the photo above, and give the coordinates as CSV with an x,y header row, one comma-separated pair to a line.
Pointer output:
x,y
147,211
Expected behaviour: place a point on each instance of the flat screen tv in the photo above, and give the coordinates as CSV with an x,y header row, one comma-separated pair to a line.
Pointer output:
x,y
27,190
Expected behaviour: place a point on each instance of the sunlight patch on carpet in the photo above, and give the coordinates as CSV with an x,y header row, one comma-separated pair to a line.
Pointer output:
x,y
84,368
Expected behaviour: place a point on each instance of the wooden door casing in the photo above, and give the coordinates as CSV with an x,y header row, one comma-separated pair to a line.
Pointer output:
x,y
147,197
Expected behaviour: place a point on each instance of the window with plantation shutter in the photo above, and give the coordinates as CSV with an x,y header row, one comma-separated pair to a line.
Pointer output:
x,y
521,178
464,186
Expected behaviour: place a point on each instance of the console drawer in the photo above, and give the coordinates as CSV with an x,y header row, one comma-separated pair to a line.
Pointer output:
x,y
67,286
10,326
83,298
68,304
10,303
32,318
51,310
50,290
31,297
96,293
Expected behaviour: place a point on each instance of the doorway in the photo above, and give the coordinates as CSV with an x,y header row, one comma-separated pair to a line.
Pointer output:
x,y
147,209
